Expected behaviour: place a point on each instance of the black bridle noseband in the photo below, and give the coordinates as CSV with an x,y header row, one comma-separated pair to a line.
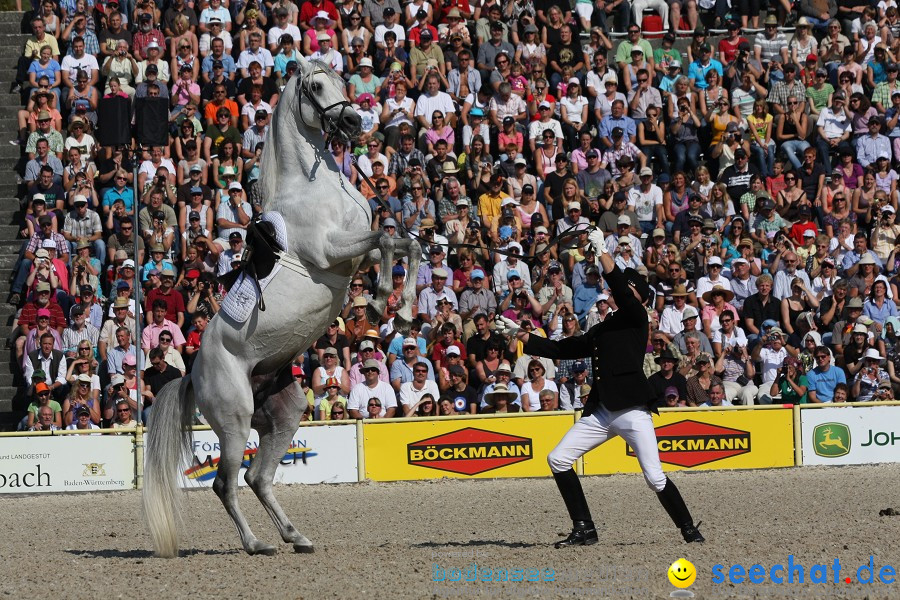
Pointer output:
x,y
331,126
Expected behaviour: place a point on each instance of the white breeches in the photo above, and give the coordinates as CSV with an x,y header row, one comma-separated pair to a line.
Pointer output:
x,y
635,425
660,6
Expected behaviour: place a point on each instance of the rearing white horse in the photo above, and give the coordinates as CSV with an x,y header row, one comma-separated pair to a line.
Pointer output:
x,y
241,378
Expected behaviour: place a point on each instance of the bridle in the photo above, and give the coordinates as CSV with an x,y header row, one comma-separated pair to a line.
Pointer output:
x,y
331,126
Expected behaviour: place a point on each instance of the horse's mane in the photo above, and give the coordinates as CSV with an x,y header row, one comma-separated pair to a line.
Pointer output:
x,y
268,175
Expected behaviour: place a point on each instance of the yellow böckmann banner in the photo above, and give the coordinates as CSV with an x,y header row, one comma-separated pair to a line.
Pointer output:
x,y
465,448
758,438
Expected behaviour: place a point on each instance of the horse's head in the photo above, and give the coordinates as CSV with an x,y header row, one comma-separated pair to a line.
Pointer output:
x,y
321,101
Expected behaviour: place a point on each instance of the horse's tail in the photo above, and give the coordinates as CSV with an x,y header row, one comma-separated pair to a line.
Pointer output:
x,y
168,441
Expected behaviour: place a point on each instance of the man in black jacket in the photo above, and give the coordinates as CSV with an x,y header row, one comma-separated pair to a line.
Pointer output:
x,y
619,402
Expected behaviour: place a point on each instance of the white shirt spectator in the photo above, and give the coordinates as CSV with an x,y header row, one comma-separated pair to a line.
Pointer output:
x,y
262,56
783,279
148,169
770,361
226,211
409,395
87,63
206,40
276,32
426,105
704,284
670,322
737,338
360,394
644,203
537,128
398,30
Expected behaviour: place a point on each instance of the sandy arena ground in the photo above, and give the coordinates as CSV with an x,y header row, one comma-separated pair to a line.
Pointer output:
x,y
383,540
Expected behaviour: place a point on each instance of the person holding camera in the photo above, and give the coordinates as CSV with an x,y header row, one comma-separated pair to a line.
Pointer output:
x,y
869,377
791,384
885,238
770,353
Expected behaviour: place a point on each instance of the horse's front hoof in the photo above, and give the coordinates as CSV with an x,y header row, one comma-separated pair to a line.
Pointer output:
x,y
304,548
262,549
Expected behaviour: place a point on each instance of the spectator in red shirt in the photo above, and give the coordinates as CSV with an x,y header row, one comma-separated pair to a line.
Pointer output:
x,y
194,337
309,9
448,339
168,294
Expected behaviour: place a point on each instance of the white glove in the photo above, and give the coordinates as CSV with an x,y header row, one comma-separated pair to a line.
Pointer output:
x,y
506,326
595,237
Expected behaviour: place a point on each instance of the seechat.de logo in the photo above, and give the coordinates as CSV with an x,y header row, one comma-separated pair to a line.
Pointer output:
x,y
691,443
831,440
469,451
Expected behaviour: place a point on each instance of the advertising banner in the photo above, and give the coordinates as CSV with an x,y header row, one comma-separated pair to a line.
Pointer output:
x,y
462,448
850,435
319,454
707,439
66,463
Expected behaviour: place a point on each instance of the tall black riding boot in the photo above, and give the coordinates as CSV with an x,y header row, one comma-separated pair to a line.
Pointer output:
x,y
583,531
674,504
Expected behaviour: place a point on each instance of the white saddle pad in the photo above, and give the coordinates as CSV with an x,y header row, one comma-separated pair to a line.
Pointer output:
x,y
243,297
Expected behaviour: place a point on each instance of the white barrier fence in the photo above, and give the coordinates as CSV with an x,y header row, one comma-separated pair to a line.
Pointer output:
x,y
318,454
851,435
66,463
332,453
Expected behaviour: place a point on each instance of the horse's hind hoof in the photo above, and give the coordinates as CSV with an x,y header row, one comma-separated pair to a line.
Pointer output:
x,y
262,549
304,548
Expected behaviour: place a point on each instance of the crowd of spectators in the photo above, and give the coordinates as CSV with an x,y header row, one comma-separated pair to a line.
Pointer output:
x,y
752,179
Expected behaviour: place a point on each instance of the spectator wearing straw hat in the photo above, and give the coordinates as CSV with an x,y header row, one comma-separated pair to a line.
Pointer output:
x,y
500,399
869,377
358,324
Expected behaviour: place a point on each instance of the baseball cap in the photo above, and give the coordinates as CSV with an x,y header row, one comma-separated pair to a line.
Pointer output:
x,y
477,274
398,270
410,341
453,351
671,391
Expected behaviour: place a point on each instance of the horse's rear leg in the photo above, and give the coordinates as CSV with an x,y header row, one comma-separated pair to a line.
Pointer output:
x,y
411,249
276,422
233,443
379,298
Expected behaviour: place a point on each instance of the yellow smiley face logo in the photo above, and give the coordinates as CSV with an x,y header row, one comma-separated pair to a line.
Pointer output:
x,y
682,573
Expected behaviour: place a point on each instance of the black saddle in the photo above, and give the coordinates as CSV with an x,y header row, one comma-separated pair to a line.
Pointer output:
x,y
258,258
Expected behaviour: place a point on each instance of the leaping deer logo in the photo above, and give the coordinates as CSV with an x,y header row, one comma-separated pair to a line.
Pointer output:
x,y
827,441
831,440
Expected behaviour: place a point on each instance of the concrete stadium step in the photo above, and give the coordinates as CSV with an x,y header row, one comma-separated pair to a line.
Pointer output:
x,y
11,16
12,397
9,232
8,152
10,40
7,28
